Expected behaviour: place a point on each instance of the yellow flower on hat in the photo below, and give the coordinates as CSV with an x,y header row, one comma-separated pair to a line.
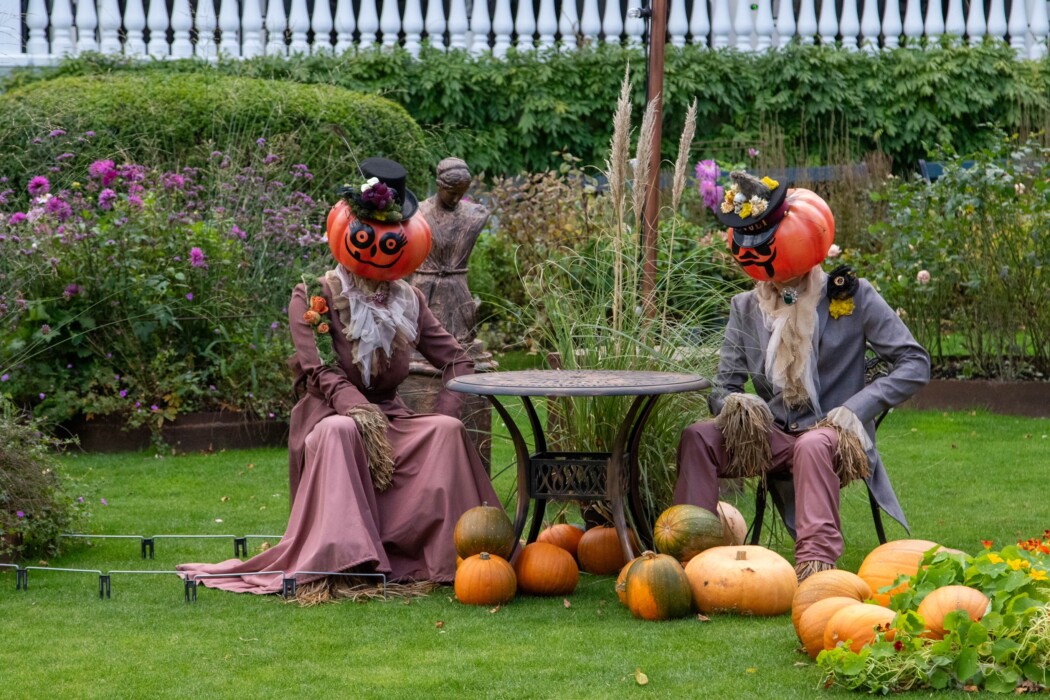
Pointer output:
x,y
770,183
745,211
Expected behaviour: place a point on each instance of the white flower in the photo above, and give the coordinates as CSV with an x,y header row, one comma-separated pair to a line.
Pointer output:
x,y
1019,188
369,184
758,205
834,251
923,277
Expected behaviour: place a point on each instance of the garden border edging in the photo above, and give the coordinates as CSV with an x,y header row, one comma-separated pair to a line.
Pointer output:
x,y
1030,399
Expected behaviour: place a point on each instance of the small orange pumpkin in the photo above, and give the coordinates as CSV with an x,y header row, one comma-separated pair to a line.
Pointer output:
x,y
826,584
485,579
746,579
858,625
886,562
814,621
562,535
657,588
734,527
484,528
685,530
545,569
944,600
599,550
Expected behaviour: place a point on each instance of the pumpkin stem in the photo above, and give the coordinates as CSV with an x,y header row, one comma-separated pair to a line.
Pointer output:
x,y
484,556
741,555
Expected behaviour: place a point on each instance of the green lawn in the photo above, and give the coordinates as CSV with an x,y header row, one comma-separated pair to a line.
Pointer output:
x,y
961,477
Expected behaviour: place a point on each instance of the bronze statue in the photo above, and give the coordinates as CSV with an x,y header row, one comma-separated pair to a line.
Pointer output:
x,y
456,225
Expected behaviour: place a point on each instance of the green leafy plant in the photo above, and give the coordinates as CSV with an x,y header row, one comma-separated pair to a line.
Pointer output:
x,y
1007,649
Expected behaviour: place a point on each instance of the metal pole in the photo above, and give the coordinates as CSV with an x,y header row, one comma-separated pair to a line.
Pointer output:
x,y
654,89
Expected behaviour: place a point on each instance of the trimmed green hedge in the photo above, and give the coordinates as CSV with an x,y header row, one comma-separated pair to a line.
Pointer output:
x,y
801,104
178,120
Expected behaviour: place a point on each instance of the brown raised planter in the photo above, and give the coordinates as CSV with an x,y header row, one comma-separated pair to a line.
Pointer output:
x,y
1007,398
192,432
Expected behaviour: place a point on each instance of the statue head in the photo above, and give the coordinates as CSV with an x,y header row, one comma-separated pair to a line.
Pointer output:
x,y
453,179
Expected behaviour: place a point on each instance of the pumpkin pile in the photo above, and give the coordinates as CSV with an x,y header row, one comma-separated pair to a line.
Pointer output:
x,y
484,540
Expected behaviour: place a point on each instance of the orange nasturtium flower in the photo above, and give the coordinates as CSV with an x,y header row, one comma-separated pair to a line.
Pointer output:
x,y
987,544
319,305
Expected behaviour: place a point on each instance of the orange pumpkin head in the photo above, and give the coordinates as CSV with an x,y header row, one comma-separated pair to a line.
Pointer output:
x,y
372,230
791,233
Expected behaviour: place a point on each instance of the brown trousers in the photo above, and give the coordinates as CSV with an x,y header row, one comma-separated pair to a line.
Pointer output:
x,y
809,456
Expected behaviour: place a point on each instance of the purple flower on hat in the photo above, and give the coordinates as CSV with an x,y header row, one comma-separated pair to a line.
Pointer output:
x,y
379,195
39,185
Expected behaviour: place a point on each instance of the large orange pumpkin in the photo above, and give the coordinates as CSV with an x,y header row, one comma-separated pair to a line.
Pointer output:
x,y
746,579
802,240
683,531
814,621
484,528
599,550
734,527
485,579
826,584
657,588
886,562
545,569
946,599
562,535
377,250
858,624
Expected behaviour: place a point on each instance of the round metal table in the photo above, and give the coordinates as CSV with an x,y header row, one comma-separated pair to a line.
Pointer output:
x,y
596,476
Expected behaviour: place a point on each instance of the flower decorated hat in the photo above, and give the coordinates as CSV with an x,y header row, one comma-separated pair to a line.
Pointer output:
x,y
372,230
776,233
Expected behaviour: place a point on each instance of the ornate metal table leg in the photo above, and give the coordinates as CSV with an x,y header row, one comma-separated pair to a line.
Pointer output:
x,y
642,519
616,473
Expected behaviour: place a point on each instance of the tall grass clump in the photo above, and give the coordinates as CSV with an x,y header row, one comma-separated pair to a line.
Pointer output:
x,y
590,311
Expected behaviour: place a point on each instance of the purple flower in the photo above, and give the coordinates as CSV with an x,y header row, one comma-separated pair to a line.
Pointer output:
x,y
5,377
59,207
197,258
39,185
135,201
713,194
57,132
707,170
752,153
271,158
274,326
379,195
260,142
20,514
189,296
43,396
123,393
237,232
103,501
64,156
174,181
80,499
45,329
103,170
16,218
106,198
71,291
154,408
89,134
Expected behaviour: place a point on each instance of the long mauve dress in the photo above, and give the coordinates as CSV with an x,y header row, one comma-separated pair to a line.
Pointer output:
x,y
339,521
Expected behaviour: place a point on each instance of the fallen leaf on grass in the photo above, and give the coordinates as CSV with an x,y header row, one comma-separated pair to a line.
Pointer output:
x,y
264,546
439,624
224,499
566,603
639,677
251,466
752,670
495,609
250,639
702,618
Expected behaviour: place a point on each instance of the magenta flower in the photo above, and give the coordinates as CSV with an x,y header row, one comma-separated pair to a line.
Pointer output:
x,y
57,132
80,499
123,393
43,396
16,218
752,153
106,198
189,296
5,377
378,195
197,258
713,194
707,170
59,208
39,185
237,232
174,181
103,501
20,514
103,170
135,201
71,291
45,329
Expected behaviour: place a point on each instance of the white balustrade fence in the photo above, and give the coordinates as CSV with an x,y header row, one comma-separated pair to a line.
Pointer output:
x,y
40,32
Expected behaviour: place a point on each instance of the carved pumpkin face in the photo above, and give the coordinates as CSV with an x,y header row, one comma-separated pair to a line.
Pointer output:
x,y
801,240
377,250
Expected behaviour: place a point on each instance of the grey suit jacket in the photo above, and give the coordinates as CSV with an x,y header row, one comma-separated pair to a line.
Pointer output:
x,y
839,377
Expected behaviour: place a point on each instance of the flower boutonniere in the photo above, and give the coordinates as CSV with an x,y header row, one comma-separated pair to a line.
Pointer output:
x,y
317,317
842,285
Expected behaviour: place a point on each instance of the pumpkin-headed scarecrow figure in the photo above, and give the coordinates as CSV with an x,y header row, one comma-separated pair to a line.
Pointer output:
x,y
375,488
801,337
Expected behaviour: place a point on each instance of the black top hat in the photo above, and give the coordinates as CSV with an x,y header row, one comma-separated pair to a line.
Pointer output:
x,y
388,199
754,230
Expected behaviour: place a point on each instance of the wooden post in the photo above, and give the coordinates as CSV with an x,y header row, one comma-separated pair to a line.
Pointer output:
x,y
654,91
